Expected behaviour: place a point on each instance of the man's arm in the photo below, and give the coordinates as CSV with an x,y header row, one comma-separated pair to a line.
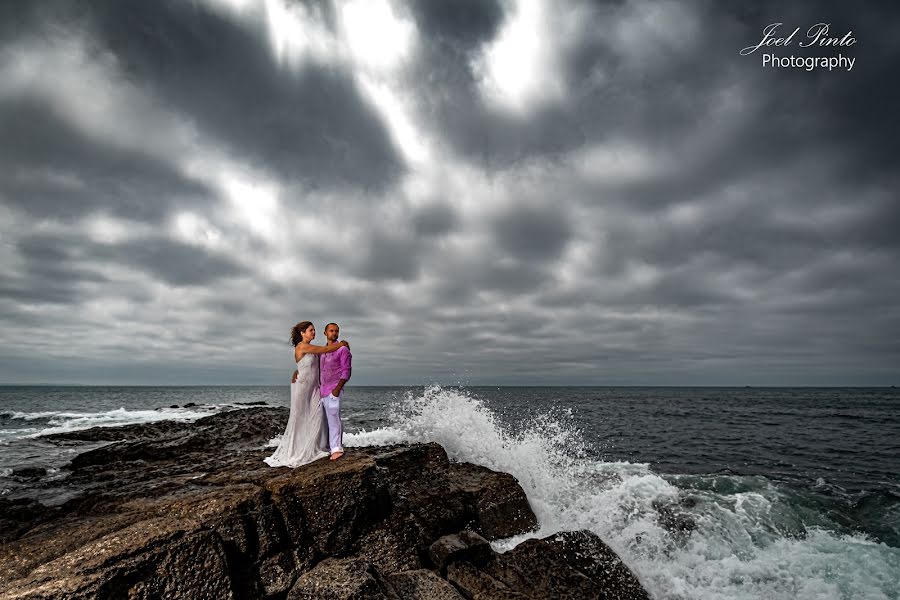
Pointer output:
x,y
345,358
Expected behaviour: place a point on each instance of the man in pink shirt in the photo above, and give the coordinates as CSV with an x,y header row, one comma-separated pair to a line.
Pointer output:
x,y
334,371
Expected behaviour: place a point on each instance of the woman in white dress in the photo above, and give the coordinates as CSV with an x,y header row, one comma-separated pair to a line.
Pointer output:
x,y
305,438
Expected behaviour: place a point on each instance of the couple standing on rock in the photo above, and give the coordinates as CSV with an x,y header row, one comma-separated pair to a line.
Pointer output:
x,y
314,428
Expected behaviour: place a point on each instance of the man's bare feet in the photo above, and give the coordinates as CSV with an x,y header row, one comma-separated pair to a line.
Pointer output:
x,y
336,455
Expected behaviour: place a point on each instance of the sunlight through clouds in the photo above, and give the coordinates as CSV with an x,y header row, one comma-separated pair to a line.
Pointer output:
x,y
253,201
297,33
380,42
194,229
376,37
520,69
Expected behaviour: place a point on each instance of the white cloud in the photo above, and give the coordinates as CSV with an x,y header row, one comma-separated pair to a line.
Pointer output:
x,y
521,69
87,89
618,162
377,38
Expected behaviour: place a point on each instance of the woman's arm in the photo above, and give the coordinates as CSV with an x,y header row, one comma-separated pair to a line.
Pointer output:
x,y
304,348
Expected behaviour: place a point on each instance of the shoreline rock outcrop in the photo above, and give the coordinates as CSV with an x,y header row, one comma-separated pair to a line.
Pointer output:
x,y
189,510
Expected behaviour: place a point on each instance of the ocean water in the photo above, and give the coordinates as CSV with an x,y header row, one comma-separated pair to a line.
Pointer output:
x,y
785,492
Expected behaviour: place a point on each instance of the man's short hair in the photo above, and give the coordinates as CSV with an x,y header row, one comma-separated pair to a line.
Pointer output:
x,y
330,324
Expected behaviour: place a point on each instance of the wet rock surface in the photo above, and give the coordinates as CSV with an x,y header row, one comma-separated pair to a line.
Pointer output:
x,y
189,510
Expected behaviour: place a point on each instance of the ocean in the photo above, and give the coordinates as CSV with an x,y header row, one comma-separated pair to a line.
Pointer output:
x,y
704,492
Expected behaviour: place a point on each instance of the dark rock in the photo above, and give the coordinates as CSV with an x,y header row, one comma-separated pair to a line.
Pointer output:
x,y
254,403
475,584
192,567
150,559
29,472
20,515
566,565
173,406
399,544
277,574
239,424
500,503
422,584
465,545
190,510
190,405
341,579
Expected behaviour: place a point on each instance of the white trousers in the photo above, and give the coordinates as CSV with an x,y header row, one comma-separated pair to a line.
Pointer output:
x,y
335,428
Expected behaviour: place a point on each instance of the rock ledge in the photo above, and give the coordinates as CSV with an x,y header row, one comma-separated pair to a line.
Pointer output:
x,y
189,510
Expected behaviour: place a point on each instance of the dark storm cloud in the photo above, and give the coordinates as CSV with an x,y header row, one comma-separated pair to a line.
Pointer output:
x,y
55,263
506,278
389,257
532,234
879,227
48,168
740,236
486,136
174,262
486,270
660,100
308,123
434,219
466,22
48,282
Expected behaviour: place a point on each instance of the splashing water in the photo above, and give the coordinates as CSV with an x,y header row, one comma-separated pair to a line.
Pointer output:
x,y
685,536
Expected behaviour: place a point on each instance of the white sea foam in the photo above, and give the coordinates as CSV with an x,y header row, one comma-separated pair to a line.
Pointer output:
x,y
748,540
64,422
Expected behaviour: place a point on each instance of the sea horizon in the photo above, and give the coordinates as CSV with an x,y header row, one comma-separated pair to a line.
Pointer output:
x,y
456,385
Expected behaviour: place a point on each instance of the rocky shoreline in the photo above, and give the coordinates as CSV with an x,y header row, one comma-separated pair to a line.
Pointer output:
x,y
189,510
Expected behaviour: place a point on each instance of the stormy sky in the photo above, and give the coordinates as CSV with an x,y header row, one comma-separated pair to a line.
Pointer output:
x,y
480,192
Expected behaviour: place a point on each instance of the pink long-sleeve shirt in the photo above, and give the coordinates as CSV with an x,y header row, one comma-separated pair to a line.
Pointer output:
x,y
333,367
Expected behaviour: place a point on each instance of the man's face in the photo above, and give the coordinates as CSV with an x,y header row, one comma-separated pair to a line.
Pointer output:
x,y
332,332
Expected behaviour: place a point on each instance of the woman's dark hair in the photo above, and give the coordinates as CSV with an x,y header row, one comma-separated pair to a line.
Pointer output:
x,y
297,331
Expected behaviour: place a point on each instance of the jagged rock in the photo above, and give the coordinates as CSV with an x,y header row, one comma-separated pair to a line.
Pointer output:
x,y
394,546
142,502
190,510
501,503
341,579
497,500
422,584
20,515
29,472
465,545
150,559
475,584
258,424
567,565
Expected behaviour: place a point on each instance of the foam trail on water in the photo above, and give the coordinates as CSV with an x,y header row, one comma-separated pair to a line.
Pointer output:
x,y
748,540
48,422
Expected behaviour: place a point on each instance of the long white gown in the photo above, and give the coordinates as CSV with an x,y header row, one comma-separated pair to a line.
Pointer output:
x,y
305,438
